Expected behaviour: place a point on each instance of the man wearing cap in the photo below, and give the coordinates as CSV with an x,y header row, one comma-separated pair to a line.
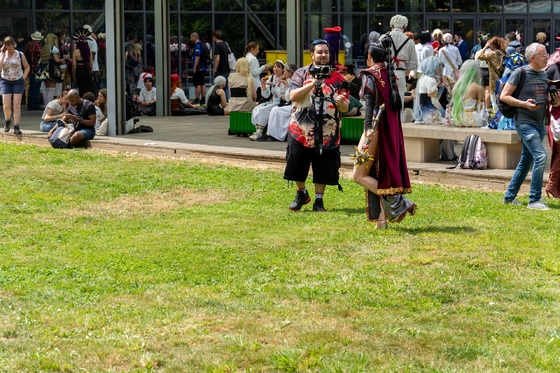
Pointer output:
x,y
314,132
92,44
33,55
403,52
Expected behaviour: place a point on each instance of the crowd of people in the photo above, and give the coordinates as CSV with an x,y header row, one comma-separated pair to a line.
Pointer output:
x,y
424,77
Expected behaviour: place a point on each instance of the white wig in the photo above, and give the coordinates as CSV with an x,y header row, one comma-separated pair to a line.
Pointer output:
x,y
398,21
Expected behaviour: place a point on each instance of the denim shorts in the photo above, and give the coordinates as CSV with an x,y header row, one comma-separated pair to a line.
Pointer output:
x,y
12,87
89,133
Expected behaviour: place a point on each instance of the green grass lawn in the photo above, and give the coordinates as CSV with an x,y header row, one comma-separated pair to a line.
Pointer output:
x,y
112,263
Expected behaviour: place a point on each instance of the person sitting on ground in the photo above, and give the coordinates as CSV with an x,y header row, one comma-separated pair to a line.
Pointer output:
x,y
279,118
101,111
180,105
148,72
468,98
54,111
242,88
82,113
216,102
147,98
273,88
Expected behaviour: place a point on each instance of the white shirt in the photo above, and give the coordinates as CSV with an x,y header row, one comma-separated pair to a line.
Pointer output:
x,y
453,55
92,44
424,52
407,55
180,94
256,70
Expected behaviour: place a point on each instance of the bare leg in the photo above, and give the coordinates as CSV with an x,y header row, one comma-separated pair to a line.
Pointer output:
x,y
76,138
17,108
361,173
487,97
7,103
197,91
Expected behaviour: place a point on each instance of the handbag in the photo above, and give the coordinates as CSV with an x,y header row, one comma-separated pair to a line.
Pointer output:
x,y
231,58
60,138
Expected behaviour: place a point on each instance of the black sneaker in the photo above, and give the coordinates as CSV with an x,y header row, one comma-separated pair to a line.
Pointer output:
x,y
7,125
302,198
318,205
16,130
195,102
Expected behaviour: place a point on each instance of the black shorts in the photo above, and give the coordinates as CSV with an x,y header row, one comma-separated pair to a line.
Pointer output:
x,y
485,75
198,78
298,158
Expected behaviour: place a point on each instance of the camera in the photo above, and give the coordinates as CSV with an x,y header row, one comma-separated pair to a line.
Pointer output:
x,y
320,71
551,91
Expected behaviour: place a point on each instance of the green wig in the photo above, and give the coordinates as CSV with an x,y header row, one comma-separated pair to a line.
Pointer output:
x,y
470,73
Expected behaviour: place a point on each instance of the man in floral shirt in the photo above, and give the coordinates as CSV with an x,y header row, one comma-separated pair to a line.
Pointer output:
x,y
318,103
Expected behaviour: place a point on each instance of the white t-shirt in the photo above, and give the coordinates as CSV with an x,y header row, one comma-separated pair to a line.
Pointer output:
x,y
427,84
92,44
180,94
55,107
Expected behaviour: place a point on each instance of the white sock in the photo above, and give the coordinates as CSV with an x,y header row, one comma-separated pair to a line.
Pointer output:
x,y
49,95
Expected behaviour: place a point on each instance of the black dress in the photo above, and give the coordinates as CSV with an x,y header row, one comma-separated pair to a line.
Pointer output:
x,y
213,105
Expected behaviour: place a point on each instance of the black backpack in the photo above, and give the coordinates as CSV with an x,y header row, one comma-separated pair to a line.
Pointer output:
x,y
507,110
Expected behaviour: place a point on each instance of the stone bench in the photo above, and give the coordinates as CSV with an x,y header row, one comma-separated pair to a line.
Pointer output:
x,y
422,143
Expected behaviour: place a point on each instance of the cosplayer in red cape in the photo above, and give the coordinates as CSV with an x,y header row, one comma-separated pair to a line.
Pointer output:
x,y
383,173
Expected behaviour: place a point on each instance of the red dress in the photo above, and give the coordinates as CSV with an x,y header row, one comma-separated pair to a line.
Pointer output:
x,y
389,166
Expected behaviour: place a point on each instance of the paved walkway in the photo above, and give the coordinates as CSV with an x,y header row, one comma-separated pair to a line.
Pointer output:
x,y
206,134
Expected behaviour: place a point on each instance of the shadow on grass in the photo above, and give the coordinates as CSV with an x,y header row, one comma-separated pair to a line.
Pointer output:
x,y
434,229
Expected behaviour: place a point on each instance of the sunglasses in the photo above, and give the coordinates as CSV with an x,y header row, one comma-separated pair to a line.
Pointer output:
x,y
319,41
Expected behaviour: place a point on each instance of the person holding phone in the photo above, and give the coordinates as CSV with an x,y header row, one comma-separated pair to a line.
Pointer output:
x,y
530,124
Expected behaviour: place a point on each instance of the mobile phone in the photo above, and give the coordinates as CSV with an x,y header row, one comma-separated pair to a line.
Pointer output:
x,y
539,103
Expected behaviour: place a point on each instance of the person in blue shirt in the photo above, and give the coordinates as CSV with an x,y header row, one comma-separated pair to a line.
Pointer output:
x,y
199,70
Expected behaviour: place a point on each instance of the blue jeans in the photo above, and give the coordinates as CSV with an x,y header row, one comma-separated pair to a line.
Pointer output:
x,y
34,93
226,88
532,152
47,126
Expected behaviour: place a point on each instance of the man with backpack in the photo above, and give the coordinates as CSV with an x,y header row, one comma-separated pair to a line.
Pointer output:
x,y
514,45
530,124
200,65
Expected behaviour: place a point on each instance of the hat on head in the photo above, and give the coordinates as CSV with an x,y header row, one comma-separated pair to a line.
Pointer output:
x,y
448,38
398,21
333,30
175,78
280,62
87,27
36,36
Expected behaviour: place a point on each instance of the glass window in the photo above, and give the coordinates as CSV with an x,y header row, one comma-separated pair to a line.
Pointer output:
x,y
438,6
353,6
260,5
415,22
200,23
516,24
150,5
462,6
410,6
323,5
540,6
557,27
52,4
52,22
232,26
198,5
15,4
133,23
492,26
261,29
88,5
282,5
228,5
317,24
380,23
133,4
355,36
511,6
382,6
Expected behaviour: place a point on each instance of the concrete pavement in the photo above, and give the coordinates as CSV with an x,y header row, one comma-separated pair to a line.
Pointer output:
x,y
205,134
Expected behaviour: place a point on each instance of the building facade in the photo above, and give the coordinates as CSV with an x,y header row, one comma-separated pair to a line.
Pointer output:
x,y
264,21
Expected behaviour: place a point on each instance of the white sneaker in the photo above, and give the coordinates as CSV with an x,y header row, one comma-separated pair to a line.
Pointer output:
x,y
538,205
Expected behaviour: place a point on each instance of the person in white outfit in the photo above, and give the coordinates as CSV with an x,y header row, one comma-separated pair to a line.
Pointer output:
x,y
280,116
403,52
251,51
450,56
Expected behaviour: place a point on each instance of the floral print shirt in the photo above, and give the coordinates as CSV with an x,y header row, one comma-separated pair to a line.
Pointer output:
x,y
12,69
304,114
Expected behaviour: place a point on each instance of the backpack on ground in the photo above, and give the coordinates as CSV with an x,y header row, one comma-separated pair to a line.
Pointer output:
x,y
473,154
507,110
60,138
231,58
